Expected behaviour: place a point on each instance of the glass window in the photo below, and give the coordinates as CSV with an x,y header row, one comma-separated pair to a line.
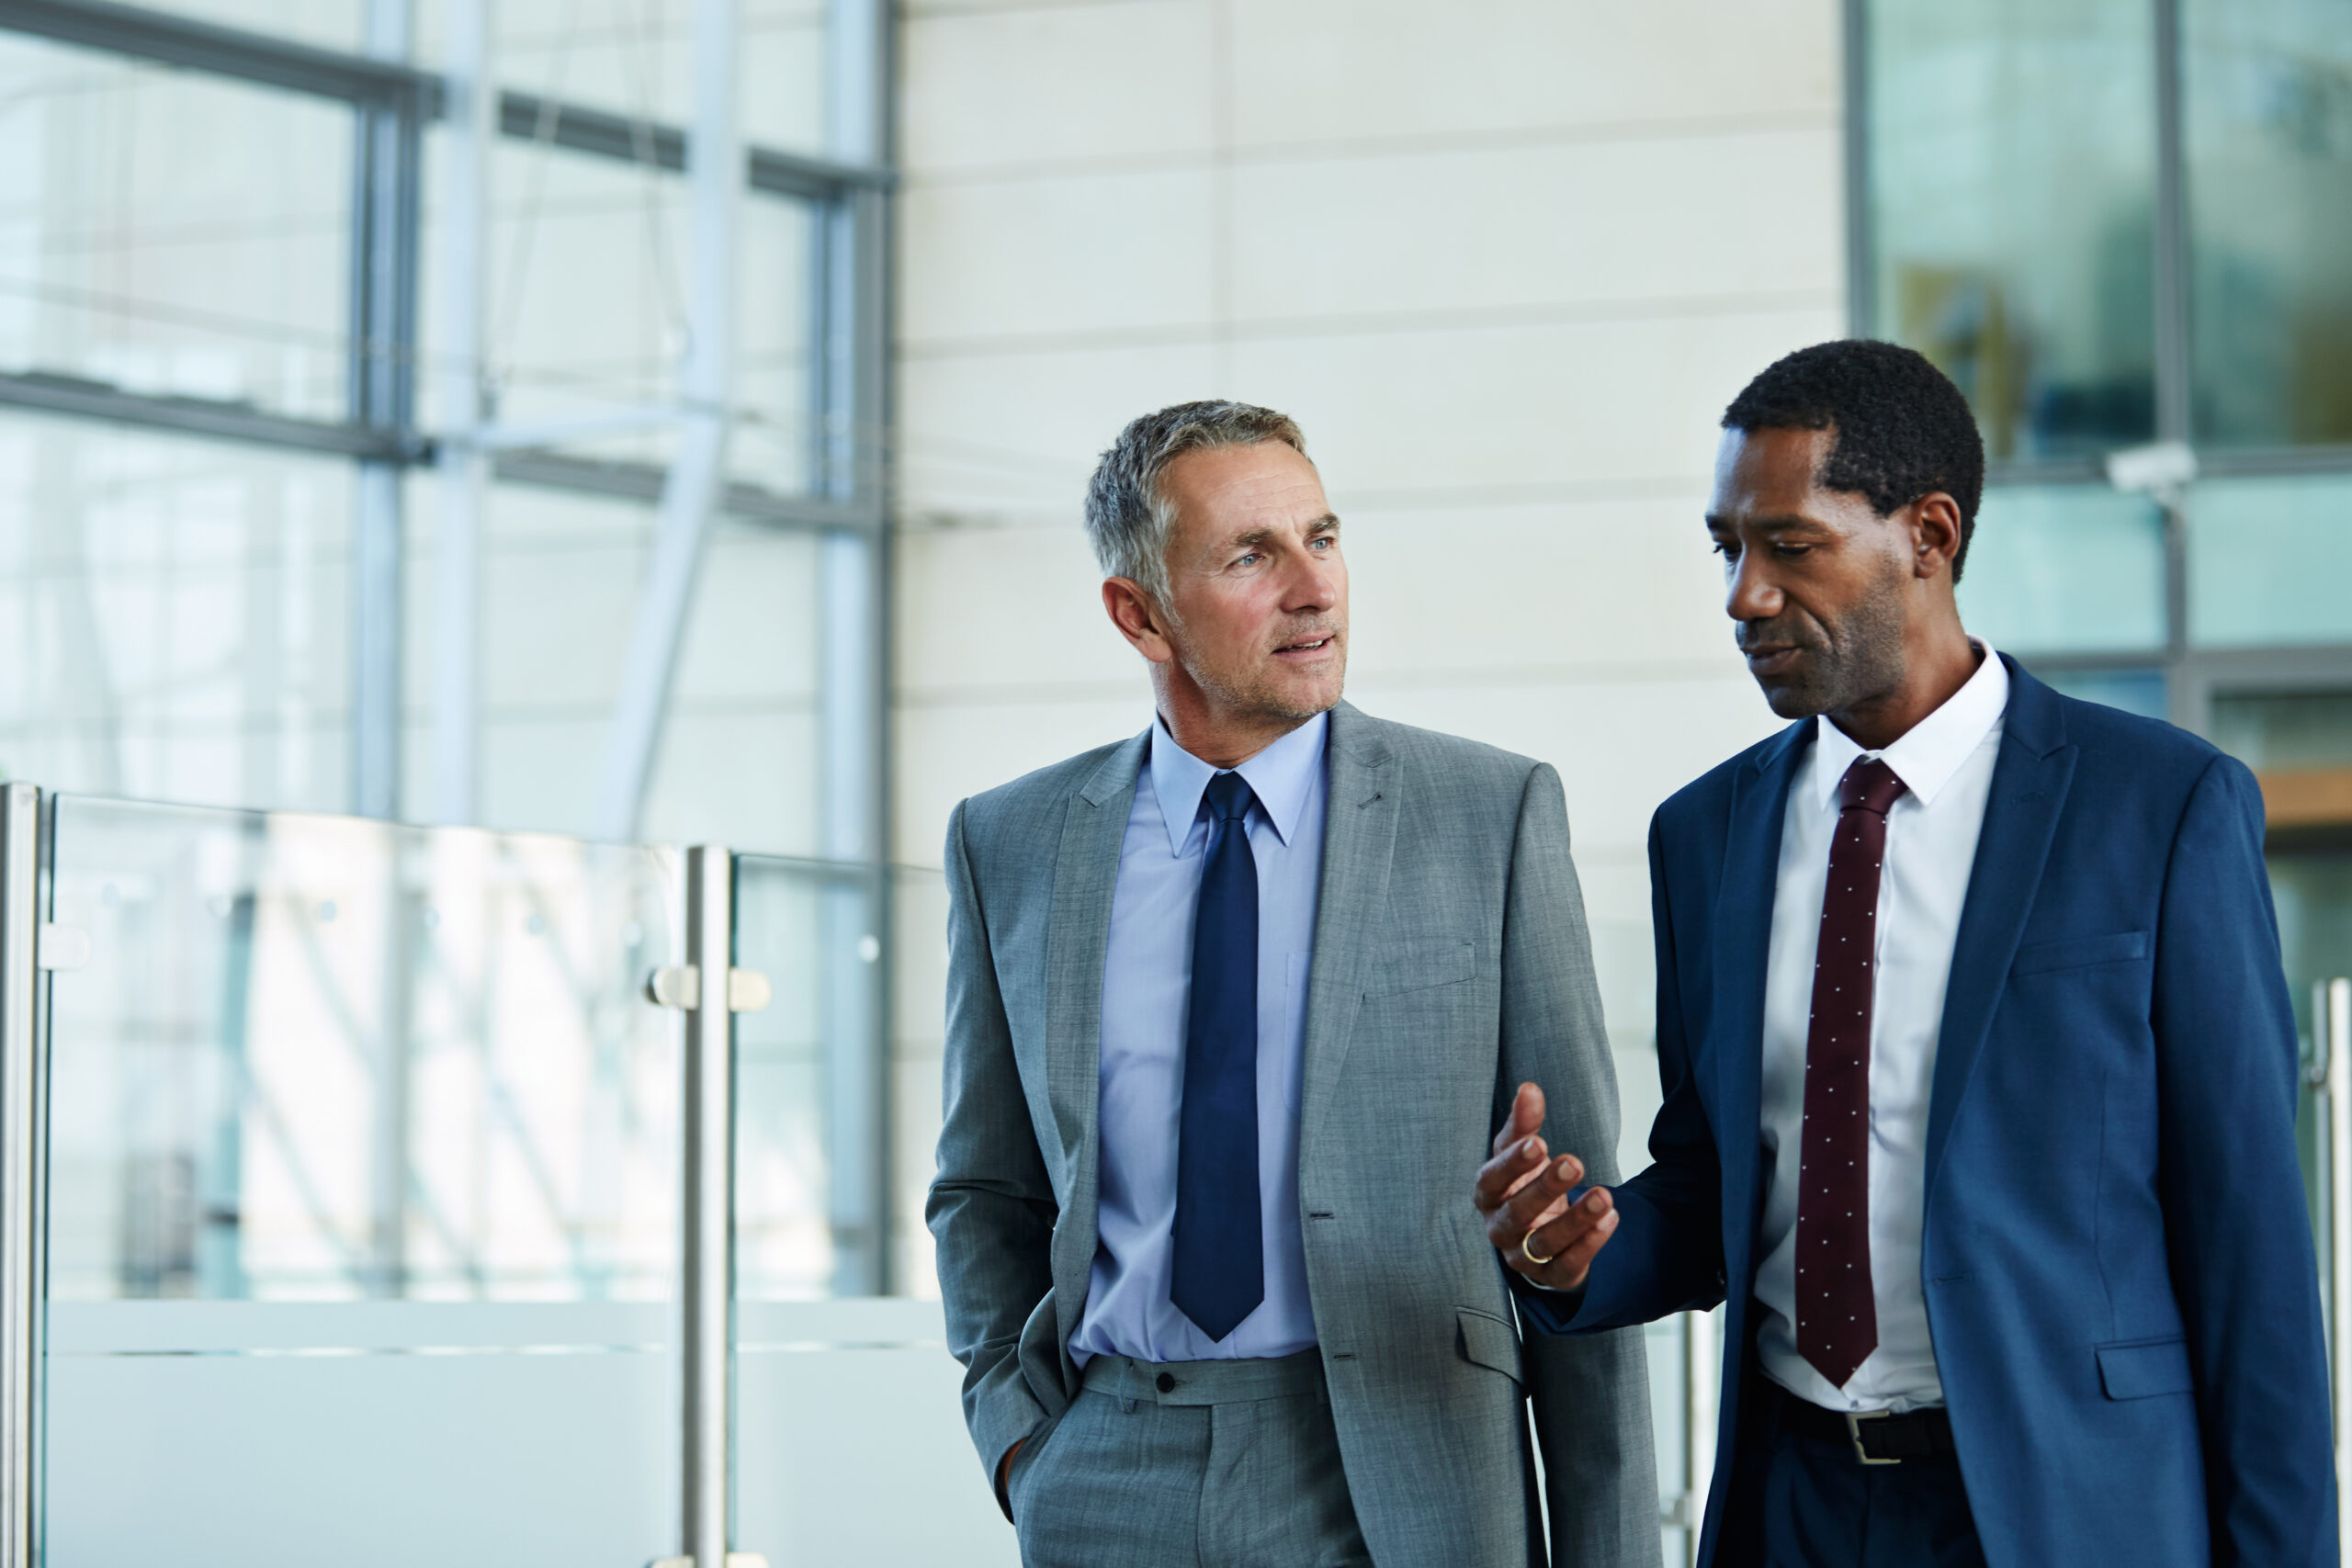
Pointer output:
x,y
636,57
168,233
587,308
335,24
2274,730
2012,178
560,582
2269,561
172,617
2134,691
2267,118
2065,568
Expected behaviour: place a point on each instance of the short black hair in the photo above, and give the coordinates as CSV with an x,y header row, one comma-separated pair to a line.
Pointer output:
x,y
1903,429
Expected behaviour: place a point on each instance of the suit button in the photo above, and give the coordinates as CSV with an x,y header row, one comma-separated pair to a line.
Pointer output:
x,y
1165,1383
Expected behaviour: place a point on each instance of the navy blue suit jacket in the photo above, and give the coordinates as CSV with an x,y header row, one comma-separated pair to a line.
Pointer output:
x,y
2117,1264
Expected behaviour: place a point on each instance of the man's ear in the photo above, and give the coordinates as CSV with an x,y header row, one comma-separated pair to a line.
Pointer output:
x,y
1936,535
1133,610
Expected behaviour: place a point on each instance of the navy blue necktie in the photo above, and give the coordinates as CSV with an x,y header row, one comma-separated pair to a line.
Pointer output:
x,y
1220,1262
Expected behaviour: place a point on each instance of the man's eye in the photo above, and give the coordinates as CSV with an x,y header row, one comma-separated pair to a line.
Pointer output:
x,y
1322,544
1790,552
1725,548
1245,560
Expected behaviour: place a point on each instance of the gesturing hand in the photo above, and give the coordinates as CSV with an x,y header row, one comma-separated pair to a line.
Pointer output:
x,y
1524,1194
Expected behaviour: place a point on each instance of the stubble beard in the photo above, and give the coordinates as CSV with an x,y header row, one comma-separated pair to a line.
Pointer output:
x,y
1860,658
1257,694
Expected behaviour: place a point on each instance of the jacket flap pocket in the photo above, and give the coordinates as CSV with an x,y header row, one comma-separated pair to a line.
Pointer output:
x,y
2145,1370
2078,952
1418,965
1488,1341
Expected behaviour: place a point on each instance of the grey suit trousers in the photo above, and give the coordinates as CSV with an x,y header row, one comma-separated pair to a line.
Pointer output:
x,y
1190,1465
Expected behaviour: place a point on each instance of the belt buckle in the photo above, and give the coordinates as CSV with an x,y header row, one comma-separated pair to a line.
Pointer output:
x,y
1854,1419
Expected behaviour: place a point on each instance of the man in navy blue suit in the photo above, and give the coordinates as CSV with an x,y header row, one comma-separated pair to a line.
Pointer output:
x,y
1978,1063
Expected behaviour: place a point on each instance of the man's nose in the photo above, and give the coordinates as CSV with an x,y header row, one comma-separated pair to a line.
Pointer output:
x,y
1313,585
1751,595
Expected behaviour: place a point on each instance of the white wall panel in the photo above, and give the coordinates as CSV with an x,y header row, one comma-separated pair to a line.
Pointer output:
x,y
1057,256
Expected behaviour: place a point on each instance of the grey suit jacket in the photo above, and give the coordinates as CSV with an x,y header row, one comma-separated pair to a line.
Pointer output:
x,y
1451,964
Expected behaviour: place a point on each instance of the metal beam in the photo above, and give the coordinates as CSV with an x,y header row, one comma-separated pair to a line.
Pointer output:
x,y
81,398
166,39
2171,237
643,481
1862,290
697,482
383,356
460,346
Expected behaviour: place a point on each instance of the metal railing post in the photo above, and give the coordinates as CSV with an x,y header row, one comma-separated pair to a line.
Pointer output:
x,y
23,1086
709,1204
2337,1029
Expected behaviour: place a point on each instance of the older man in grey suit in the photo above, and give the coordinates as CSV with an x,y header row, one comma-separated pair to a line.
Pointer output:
x,y
1231,1005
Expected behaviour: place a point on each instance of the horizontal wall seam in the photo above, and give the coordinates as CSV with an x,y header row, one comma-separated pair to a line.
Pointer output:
x,y
914,177
1469,317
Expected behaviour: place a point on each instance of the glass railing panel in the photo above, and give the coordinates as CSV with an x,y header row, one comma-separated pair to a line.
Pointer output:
x,y
836,1384
364,1198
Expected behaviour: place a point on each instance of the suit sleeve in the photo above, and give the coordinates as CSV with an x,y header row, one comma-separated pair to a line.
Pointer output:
x,y
992,1209
1667,1254
2232,1188
1592,1394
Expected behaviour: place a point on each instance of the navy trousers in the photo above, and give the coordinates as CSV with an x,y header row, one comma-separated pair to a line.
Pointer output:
x,y
1819,1506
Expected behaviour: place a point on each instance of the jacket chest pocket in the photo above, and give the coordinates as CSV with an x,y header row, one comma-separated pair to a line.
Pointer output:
x,y
1397,967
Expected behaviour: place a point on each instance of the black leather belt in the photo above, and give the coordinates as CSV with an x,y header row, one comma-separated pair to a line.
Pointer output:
x,y
1876,1438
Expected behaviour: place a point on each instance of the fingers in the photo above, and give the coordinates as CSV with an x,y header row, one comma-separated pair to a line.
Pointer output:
x,y
1510,1169
1526,1116
1572,1240
1540,1207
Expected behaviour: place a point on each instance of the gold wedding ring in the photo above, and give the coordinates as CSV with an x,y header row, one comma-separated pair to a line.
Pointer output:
x,y
1529,1253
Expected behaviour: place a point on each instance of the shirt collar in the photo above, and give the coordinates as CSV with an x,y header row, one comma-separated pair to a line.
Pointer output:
x,y
1931,750
1281,776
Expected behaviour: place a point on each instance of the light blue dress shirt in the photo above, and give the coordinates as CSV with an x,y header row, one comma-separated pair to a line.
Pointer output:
x,y
1147,985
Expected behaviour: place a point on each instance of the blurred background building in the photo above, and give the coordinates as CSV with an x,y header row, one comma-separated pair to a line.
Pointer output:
x,y
572,424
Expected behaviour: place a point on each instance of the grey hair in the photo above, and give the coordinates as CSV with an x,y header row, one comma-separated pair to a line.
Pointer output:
x,y
1128,517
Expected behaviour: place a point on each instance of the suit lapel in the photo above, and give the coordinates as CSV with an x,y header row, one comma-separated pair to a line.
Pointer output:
x,y
1085,874
1359,842
1742,946
2030,784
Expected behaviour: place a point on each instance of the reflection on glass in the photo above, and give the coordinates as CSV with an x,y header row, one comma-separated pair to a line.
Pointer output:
x,y
588,308
2065,568
2268,123
2012,177
324,1059
562,575
918,1068
170,232
2269,559
172,617
807,1075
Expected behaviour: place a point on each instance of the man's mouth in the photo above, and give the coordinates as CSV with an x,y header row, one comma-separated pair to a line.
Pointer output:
x,y
1305,647
1772,657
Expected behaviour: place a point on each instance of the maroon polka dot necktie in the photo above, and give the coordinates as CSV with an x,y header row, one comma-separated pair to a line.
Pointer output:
x,y
1836,1314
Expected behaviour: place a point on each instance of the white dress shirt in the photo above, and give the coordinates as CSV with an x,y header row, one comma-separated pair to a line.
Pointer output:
x,y
1946,764
1147,989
